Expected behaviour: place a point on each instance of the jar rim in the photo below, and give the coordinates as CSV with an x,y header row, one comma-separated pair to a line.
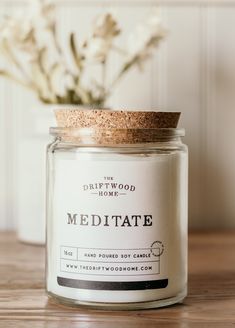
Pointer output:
x,y
115,136
176,132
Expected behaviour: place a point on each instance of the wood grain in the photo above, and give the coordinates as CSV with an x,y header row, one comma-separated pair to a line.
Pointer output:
x,y
211,300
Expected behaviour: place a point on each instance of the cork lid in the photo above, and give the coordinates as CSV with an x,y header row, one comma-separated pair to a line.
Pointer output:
x,y
103,126
108,119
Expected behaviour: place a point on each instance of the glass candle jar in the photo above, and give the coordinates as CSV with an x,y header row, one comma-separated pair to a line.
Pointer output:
x,y
117,217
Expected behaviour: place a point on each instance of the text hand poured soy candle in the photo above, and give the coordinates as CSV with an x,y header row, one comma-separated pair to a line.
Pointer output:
x,y
117,209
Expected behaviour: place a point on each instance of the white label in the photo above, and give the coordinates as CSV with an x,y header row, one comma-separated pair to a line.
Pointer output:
x,y
112,219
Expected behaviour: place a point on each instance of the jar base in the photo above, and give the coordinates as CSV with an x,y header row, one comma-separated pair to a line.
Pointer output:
x,y
120,306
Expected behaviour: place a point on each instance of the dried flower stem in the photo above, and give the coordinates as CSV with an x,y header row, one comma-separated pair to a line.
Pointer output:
x,y
32,48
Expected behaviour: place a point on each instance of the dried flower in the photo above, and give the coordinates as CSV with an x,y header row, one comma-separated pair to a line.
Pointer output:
x,y
105,29
29,43
146,37
97,50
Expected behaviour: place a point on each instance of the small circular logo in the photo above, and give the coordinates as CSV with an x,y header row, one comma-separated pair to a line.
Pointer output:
x,y
157,248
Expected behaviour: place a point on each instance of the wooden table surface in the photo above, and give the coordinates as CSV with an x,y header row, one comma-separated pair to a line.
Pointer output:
x,y
210,303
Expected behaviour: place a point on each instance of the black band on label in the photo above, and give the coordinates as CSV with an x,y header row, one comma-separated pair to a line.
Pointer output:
x,y
112,285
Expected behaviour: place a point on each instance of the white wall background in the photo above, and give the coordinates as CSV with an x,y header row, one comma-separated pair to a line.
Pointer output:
x,y
193,72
